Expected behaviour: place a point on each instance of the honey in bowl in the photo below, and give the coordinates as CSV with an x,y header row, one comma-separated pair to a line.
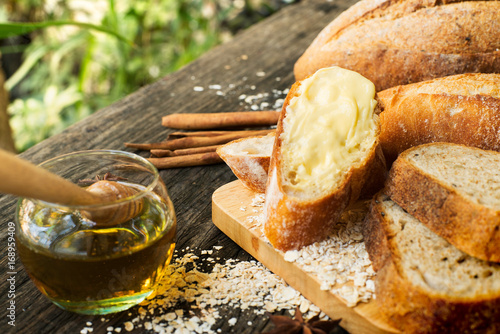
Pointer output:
x,y
93,268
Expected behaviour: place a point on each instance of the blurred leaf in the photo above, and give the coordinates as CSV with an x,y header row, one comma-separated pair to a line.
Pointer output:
x,y
30,61
8,29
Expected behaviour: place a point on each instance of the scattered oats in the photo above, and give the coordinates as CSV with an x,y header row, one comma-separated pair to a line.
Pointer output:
x,y
304,306
118,329
88,323
252,87
244,57
242,97
278,79
291,256
243,208
142,311
214,87
340,259
198,89
278,104
110,329
260,74
258,200
246,285
249,323
254,107
128,326
220,93
227,67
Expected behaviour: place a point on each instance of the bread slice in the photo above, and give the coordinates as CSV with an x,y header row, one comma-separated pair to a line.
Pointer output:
x,y
423,283
400,42
249,159
455,191
461,109
326,144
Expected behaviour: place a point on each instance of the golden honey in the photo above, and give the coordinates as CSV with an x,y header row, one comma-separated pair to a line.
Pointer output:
x,y
96,270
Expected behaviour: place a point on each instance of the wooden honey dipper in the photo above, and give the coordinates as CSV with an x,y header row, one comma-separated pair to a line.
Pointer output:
x,y
21,178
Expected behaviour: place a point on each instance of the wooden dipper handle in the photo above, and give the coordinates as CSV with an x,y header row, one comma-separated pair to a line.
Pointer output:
x,y
21,178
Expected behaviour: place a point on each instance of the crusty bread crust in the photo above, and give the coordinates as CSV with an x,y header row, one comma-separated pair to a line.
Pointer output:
x,y
409,307
462,109
469,226
251,170
290,222
379,40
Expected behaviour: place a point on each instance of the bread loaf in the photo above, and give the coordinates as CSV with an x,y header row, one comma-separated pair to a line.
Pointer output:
x,y
462,109
423,283
400,42
249,159
326,144
455,191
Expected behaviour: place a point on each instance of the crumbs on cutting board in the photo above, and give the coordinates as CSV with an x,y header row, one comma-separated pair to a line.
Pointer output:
x,y
190,300
340,263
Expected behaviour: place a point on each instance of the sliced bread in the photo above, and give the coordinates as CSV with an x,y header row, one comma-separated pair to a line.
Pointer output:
x,y
455,191
326,144
423,283
249,159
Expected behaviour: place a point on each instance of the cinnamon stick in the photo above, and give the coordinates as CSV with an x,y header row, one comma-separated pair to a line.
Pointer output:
x,y
220,120
199,159
189,142
186,151
176,135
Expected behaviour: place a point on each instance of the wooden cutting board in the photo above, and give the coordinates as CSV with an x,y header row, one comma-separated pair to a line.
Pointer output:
x,y
232,213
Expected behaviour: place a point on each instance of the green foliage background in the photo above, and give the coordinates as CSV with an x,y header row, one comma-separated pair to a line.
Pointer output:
x,y
69,71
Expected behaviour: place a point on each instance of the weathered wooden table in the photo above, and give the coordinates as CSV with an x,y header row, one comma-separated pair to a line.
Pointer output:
x,y
249,72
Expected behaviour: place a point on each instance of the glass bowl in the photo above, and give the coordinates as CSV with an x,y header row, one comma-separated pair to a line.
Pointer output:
x,y
87,267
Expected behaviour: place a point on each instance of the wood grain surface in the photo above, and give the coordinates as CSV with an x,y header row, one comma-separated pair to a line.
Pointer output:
x,y
232,213
257,61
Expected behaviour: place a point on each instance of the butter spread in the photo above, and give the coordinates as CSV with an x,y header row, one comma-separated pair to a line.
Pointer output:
x,y
327,127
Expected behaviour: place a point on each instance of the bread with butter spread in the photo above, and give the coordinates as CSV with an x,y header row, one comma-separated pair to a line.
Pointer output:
x,y
327,141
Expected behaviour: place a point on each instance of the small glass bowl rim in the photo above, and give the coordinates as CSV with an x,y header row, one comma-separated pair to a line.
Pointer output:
x,y
137,195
